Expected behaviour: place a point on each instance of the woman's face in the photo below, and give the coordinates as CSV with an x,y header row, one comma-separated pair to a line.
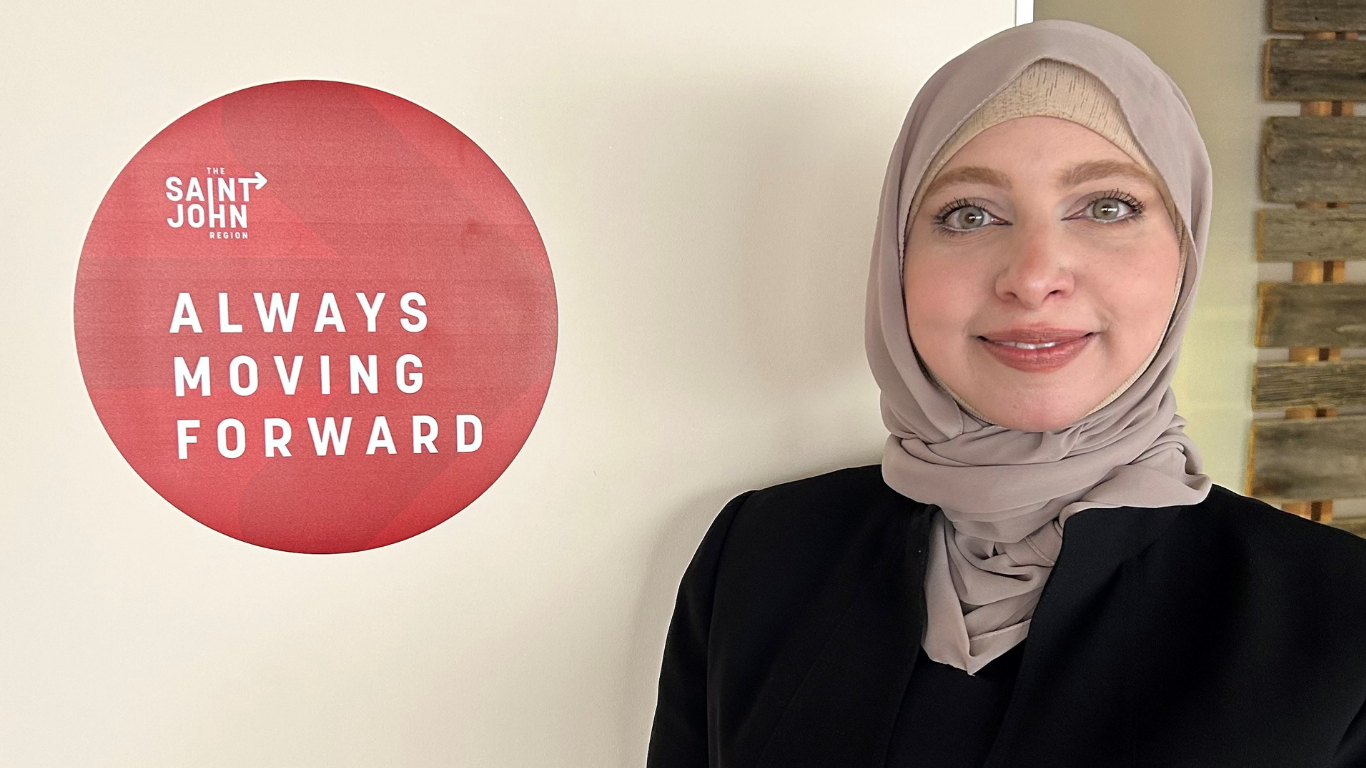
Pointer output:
x,y
1039,230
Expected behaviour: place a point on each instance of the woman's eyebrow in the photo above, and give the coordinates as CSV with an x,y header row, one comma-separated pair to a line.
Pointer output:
x,y
1102,169
968,174
1080,173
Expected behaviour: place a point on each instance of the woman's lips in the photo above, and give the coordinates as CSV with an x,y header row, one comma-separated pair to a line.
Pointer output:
x,y
1041,360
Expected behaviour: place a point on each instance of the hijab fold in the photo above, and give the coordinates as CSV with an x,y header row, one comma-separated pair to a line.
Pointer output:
x,y
1004,495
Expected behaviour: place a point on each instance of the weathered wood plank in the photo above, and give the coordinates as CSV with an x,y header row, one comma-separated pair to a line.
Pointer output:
x,y
1317,15
1303,234
1323,384
1308,458
1311,315
1314,70
1355,525
1314,158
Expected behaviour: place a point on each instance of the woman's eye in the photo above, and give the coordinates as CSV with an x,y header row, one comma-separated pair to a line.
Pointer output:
x,y
1108,209
968,217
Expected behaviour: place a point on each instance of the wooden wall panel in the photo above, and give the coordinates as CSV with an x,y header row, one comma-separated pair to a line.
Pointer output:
x,y
1314,161
1317,384
1309,458
1311,314
1354,525
1316,15
1314,70
1314,158
1304,234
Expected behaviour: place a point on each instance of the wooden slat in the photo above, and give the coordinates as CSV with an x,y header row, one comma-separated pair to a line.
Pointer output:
x,y
1314,158
1309,458
1354,525
1318,384
1311,315
1316,15
1300,234
1314,70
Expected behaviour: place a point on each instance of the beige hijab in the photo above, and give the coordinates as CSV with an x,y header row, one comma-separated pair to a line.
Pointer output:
x,y
1004,495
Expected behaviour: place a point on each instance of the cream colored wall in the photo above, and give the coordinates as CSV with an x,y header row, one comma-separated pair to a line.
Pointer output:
x,y
1213,50
704,176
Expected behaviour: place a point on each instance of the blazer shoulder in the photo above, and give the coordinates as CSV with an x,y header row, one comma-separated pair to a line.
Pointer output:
x,y
840,488
829,504
808,525
1257,519
1284,542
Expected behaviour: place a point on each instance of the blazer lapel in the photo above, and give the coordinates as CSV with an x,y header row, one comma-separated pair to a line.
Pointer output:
x,y
838,681
1059,714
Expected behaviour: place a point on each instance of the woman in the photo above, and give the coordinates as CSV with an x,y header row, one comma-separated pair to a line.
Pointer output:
x,y
1041,231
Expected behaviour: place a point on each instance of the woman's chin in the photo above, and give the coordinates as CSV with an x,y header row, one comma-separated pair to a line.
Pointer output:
x,y
1034,416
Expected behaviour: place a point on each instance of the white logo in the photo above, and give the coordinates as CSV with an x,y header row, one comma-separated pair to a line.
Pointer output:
x,y
221,205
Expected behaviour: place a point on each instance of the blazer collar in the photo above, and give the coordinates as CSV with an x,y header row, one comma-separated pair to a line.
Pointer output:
x,y
837,682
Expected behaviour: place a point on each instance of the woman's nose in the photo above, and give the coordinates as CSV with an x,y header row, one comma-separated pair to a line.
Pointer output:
x,y
1036,266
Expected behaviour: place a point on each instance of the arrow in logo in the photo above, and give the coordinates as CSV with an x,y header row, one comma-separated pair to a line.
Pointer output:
x,y
246,182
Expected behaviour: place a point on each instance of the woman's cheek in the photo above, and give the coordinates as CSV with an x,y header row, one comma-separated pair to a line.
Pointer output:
x,y
1139,309
938,318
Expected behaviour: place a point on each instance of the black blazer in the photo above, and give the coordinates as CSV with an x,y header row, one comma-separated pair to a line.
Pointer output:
x,y
1226,633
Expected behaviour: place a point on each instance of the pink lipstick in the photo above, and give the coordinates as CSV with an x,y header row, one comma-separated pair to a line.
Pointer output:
x,y
1037,350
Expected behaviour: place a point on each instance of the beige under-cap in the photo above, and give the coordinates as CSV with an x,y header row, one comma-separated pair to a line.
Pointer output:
x,y
1053,88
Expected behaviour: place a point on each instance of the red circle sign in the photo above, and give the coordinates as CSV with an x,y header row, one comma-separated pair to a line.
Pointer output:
x,y
315,317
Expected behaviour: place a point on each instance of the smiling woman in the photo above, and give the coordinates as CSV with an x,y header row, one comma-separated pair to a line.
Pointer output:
x,y
1040,236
